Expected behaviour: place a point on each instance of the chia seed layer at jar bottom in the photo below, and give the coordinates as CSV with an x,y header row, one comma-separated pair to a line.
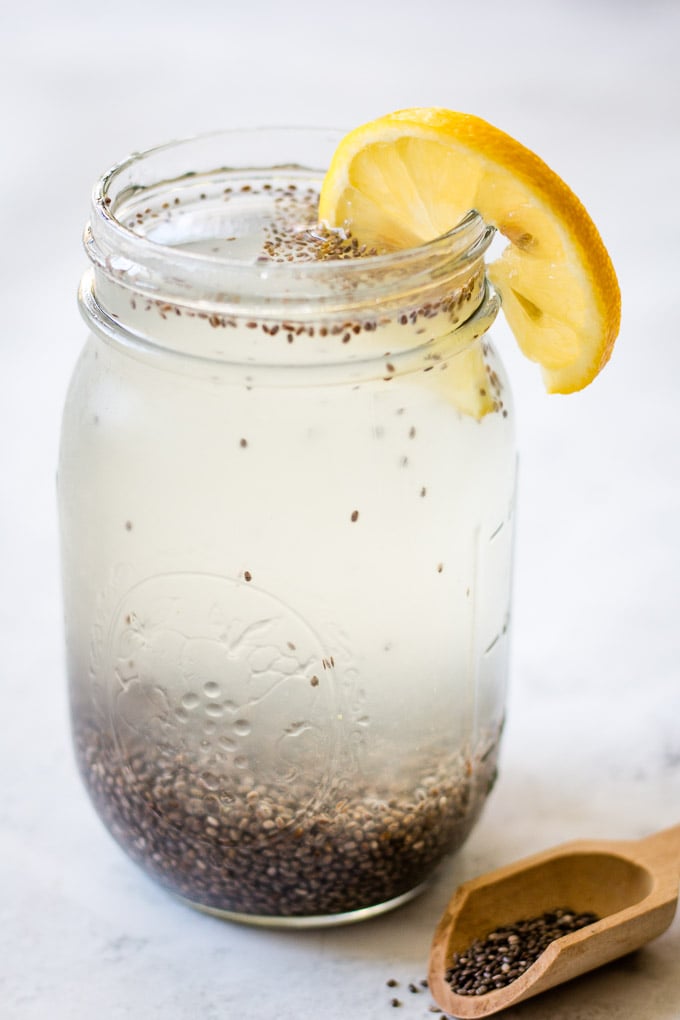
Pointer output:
x,y
262,855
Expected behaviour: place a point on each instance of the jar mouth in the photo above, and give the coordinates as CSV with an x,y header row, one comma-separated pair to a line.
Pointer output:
x,y
172,259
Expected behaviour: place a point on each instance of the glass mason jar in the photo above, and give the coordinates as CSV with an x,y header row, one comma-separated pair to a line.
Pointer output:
x,y
286,495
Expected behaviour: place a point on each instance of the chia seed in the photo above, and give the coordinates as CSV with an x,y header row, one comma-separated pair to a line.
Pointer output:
x,y
499,959
257,851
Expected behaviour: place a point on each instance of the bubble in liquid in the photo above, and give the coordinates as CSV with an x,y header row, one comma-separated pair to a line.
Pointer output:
x,y
227,743
211,689
242,727
213,710
210,781
240,761
190,700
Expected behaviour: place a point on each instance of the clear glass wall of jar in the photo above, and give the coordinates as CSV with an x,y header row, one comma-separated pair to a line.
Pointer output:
x,y
286,494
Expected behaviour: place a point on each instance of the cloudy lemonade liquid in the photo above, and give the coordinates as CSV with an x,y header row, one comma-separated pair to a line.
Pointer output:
x,y
288,626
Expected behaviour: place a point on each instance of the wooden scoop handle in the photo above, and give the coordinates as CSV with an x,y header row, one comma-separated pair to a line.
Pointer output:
x,y
660,852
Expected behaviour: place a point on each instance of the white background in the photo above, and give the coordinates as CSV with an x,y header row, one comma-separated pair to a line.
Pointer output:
x,y
592,746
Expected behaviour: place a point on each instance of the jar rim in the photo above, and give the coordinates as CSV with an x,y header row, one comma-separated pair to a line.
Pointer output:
x,y
151,267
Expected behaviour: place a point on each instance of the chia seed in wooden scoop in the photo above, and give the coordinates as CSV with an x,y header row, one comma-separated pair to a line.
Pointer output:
x,y
632,887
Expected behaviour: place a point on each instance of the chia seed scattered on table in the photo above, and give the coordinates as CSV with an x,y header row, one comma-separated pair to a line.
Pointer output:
x,y
506,952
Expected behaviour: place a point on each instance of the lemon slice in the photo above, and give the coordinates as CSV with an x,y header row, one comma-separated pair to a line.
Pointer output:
x,y
411,176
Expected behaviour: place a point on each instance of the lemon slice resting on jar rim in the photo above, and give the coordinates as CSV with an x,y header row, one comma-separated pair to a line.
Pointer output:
x,y
411,176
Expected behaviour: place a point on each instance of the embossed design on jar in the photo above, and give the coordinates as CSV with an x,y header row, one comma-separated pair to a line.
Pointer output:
x,y
224,680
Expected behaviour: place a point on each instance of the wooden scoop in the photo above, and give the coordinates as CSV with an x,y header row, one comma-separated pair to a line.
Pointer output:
x,y
631,886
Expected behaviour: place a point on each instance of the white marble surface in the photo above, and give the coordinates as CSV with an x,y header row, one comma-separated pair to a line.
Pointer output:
x,y
592,746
